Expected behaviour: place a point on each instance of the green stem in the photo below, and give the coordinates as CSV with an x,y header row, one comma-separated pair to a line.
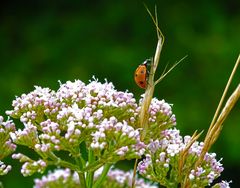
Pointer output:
x,y
96,164
60,162
81,175
90,174
102,176
82,180
66,165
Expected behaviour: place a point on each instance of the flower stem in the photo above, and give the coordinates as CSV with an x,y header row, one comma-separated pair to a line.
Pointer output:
x,y
90,174
60,162
82,180
95,165
81,175
102,176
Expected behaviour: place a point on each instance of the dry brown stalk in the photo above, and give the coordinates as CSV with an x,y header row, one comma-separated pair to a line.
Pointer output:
x,y
144,115
184,152
217,122
225,112
183,156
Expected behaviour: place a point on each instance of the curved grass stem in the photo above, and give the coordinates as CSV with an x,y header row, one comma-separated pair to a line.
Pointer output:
x,y
217,122
144,115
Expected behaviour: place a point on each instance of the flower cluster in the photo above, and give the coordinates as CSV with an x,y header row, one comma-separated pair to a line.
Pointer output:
x,y
222,184
6,145
81,119
30,166
162,162
4,169
120,179
83,127
62,178
103,137
161,118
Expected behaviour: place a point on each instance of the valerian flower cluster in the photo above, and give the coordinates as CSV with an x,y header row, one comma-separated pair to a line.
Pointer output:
x,y
6,145
162,165
66,178
83,127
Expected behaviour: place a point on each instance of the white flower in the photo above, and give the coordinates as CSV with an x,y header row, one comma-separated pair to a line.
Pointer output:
x,y
191,176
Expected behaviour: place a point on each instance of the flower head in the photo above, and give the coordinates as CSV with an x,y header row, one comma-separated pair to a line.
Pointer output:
x,y
62,178
58,178
122,179
95,116
162,159
6,145
161,118
4,169
222,184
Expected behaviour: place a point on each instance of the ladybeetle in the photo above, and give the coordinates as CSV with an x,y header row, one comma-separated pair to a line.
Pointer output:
x,y
141,74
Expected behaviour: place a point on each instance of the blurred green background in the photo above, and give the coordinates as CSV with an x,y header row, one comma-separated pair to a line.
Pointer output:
x,y
42,42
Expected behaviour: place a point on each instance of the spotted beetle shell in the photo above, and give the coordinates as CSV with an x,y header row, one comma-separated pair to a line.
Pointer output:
x,y
140,76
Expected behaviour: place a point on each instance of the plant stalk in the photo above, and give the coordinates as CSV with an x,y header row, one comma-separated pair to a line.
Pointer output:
x,y
103,175
216,126
90,174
